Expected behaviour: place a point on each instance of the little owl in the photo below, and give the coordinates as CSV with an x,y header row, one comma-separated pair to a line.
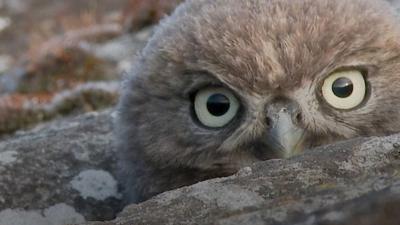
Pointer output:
x,y
226,83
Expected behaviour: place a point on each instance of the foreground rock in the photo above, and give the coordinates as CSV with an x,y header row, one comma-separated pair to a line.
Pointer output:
x,y
354,182
63,173
60,173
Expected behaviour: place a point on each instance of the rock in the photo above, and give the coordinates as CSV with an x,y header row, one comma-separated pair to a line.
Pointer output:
x,y
396,4
352,182
5,60
61,172
5,22
121,50
14,6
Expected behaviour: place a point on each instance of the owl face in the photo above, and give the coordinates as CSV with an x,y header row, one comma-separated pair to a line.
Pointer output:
x,y
226,83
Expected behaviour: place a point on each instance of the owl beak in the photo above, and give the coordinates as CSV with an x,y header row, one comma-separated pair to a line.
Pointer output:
x,y
284,137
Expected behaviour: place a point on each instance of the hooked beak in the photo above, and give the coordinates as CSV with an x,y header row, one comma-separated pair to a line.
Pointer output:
x,y
284,136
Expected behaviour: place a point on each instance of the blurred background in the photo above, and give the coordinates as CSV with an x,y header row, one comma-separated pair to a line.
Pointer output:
x,y
62,58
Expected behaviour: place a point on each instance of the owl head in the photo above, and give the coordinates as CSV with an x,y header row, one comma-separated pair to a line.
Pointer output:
x,y
225,83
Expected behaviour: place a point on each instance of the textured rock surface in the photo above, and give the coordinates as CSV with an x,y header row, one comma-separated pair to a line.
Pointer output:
x,y
63,173
353,182
59,173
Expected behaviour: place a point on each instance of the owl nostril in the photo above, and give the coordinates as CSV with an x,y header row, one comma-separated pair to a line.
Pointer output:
x,y
297,118
268,121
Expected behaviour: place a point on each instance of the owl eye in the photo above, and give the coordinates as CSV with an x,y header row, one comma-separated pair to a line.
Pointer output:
x,y
345,90
215,107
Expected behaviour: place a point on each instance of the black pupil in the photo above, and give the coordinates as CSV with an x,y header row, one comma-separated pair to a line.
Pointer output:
x,y
218,104
342,87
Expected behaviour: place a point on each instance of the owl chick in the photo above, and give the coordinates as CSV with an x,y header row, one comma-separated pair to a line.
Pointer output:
x,y
223,84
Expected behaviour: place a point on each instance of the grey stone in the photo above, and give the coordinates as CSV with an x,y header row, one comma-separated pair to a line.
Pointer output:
x,y
63,172
69,162
352,182
97,184
54,215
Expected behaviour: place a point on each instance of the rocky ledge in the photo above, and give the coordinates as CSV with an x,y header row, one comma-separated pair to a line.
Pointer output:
x,y
60,173
63,173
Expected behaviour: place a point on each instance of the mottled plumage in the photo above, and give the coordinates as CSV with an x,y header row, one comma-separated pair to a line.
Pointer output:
x,y
292,75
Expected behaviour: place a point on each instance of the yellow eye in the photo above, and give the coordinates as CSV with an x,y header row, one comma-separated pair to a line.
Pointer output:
x,y
215,107
344,90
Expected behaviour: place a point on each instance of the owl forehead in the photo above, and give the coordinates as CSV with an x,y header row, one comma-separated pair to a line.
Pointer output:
x,y
276,44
